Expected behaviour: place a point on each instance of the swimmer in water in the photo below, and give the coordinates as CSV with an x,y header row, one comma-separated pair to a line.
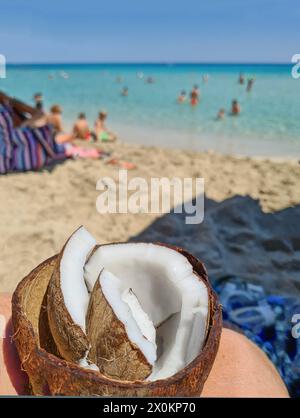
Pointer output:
x,y
235,108
205,78
241,78
250,84
194,96
221,114
124,92
182,97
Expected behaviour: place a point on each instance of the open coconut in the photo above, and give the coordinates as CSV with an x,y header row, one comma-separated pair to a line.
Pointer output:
x,y
155,295
68,297
145,314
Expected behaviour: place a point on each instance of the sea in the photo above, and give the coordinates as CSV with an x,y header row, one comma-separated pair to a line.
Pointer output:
x,y
268,125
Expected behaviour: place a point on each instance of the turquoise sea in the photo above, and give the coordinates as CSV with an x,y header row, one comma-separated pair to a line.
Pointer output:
x,y
268,125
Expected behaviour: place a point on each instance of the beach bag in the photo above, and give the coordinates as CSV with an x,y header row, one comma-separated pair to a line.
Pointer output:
x,y
35,148
6,147
26,148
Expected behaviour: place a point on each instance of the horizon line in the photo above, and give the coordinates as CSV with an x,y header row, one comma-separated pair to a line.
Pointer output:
x,y
170,63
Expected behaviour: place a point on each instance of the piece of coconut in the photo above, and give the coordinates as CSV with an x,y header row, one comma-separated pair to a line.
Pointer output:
x,y
121,335
68,298
169,292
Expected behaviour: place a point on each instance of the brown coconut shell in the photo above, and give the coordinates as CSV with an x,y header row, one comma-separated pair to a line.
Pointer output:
x,y
49,374
71,341
110,348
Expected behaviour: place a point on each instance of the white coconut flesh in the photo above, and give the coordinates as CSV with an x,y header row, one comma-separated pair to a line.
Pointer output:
x,y
139,328
75,293
153,289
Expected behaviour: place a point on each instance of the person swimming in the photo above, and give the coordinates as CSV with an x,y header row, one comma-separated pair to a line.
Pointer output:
x,y
81,128
182,97
241,79
221,114
205,78
101,131
150,80
194,95
124,92
250,84
235,108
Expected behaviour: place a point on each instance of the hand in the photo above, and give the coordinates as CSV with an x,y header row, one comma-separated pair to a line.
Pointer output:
x,y
13,380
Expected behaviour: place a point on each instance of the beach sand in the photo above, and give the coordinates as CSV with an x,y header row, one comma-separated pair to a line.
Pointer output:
x,y
251,226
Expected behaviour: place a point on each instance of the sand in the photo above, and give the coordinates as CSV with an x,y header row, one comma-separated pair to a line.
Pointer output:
x,y
251,226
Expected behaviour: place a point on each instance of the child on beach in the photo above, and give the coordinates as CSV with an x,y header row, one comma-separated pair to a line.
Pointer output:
x,y
81,128
101,131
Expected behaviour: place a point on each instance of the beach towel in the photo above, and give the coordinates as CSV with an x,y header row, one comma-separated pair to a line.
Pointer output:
x,y
80,152
266,319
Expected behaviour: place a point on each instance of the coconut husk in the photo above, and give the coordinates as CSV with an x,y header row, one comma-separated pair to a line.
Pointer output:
x,y
49,374
71,341
111,350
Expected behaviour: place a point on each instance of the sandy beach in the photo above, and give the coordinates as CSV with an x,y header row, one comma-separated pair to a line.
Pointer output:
x,y
251,225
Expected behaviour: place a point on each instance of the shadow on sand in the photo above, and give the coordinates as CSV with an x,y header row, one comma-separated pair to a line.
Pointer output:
x,y
238,238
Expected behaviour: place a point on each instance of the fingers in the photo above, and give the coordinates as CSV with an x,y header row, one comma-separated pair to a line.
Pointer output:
x,y
12,379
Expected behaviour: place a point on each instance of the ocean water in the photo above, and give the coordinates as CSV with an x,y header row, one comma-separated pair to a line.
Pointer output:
x,y
268,125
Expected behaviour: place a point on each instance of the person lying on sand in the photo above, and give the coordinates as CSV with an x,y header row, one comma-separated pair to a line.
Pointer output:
x,y
235,108
101,131
81,128
54,118
240,369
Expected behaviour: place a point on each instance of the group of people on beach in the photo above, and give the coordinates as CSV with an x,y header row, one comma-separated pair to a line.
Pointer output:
x,y
194,96
81,129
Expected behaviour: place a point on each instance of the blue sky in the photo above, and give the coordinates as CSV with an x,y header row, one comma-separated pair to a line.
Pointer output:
x,y
149,31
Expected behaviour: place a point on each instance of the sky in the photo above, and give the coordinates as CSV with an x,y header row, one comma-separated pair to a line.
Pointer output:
x,y
54,31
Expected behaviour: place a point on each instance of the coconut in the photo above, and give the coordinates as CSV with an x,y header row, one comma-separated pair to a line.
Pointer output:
x,y
154,299
121,335
170,293
68,297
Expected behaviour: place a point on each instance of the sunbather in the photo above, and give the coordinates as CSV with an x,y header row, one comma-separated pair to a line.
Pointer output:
x,y
54,118
101,131
81,128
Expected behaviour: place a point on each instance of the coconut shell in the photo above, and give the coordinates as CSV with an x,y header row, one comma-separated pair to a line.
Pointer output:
x,y
71,341
110,347
50,374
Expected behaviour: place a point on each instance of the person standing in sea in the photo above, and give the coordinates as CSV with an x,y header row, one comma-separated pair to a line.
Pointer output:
x,y
195,95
